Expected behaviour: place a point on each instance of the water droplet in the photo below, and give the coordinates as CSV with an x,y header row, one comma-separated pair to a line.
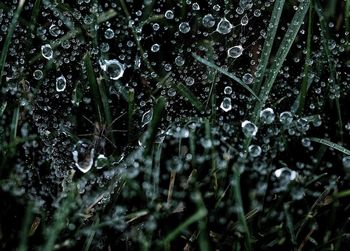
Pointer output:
x,y
286,118
169,14
224,26
146,117
113,68
226,104
244,20
248,78
228,90
109,33
189,81
208,21
254,150
155,48
54,30
38,74
235,51
83,156
346,162
249,129
184,27
46,51
101,161
267,116
61,83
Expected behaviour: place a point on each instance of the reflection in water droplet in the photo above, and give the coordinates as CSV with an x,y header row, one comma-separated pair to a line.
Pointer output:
x,y
61,83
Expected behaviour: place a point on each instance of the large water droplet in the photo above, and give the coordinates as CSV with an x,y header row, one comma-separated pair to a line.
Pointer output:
x,y
208,21
224,26
235,51
46,51
113,68
267,116
249,129
61,83
226,104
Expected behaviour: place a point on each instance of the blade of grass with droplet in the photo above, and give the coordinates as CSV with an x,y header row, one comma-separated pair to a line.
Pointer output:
x,y
347,21
187,93
280,57
35,13
300,102
331,65
2,108
282,53
266,51
23,244
8,38
131,110
14,127
331,145
94,87
151,133
228,74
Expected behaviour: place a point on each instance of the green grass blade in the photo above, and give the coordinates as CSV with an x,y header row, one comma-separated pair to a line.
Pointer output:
x,y
3,108
331,145
347,20
283,50
23,245
228,74
151,133
131,110
94,87
331,65
8,38
300,102
201,213
266,51
187,93
236,187
14,125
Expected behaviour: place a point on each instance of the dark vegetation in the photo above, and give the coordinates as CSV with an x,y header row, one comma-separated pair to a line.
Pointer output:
x,y
174,125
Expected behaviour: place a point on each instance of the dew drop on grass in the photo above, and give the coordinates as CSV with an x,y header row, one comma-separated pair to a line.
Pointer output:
x,y
228,90
46,51
267,116
169,14
155,48
189,81
61,83
83,156
109,33
38,74
224,26
146,117
235,51
249,129
113,68
101,161
248,78
346,162
208,21
54,30
286,118
184,27
179,61
226,104
254,150
244,20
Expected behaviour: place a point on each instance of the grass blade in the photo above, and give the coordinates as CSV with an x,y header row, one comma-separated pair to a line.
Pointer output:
x,y
201,213
270,36
228,74
331,145
300,102
8,38
94,87
187,93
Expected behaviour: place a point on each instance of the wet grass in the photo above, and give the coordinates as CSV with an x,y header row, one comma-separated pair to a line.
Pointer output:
x,y
184,181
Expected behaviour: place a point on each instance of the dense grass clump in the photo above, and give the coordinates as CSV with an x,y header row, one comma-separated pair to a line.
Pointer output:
x,y
174,125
